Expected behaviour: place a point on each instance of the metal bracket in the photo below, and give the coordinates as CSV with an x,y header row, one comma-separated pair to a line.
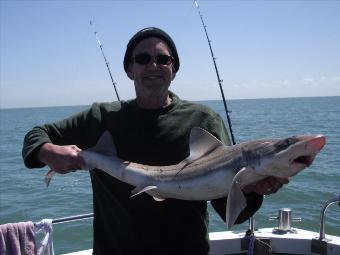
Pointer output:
x,y
319,246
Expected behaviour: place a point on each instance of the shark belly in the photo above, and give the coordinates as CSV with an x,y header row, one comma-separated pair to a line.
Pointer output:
x,y
212,185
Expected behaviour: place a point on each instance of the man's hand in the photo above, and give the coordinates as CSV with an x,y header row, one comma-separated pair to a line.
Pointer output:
x,y
62,159
267,186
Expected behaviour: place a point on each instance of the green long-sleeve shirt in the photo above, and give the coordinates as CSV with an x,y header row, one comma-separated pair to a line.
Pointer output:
x,y
140,225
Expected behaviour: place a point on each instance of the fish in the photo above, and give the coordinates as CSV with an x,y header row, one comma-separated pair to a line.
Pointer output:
x,y
212,170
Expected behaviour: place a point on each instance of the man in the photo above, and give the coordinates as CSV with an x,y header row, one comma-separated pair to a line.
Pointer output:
x,y
152,129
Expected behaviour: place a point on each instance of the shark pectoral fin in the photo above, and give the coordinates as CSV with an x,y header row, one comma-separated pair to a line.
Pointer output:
x,y
138,190
158,199
236,201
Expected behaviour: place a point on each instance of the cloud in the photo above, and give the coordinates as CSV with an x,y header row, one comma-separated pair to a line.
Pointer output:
x,y
336,79
302,87
308,81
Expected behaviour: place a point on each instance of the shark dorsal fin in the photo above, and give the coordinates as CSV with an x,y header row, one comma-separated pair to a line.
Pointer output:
x,y
201,144
105,145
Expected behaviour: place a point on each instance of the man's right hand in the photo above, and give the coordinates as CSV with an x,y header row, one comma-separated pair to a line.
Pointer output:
x,y
62,159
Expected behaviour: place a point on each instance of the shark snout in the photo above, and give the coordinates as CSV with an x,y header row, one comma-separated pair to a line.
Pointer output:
x,y
312,145
317,143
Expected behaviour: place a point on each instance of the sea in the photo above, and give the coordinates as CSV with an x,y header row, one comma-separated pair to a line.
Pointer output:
x,y
24,197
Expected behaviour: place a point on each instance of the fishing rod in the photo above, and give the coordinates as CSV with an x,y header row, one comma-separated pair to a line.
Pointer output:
x,y
218,76
106,62
251,229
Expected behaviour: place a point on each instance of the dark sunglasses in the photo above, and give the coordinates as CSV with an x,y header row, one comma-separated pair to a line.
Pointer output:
x,y
145,58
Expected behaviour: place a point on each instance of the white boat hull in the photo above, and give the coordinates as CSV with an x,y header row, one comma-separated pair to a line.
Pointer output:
x,y
298,241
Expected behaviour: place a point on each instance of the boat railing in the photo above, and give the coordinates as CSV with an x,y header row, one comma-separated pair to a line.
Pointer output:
x,y
251,223
322,215
72,218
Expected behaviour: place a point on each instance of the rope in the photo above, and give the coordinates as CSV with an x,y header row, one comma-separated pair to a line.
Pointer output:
x,y
257,246
251,246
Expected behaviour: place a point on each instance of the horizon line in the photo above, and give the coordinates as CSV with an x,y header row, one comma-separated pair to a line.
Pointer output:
x,y
200,100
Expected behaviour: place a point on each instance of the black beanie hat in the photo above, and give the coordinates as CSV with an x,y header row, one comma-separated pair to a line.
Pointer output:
x,y
150,32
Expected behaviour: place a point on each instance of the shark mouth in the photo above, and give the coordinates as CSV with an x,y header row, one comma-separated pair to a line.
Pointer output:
x,y
314,145
305,160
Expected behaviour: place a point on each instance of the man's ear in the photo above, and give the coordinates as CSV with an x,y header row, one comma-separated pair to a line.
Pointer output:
x,y
173,75
129,72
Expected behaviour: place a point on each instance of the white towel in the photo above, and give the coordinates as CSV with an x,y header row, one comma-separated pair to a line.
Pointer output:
x,y
46,244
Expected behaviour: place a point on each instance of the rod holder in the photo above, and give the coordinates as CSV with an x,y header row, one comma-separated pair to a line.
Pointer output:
x,y
252,228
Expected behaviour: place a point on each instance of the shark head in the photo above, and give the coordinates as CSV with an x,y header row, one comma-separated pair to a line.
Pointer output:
x,y
287,157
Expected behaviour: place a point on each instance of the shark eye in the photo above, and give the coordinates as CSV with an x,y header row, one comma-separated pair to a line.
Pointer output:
x,y
284,144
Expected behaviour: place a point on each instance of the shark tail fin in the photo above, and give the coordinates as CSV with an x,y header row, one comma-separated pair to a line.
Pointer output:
x,y
48,177
104,146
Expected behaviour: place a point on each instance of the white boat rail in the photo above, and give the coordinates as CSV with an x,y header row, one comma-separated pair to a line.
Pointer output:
x,y
322,215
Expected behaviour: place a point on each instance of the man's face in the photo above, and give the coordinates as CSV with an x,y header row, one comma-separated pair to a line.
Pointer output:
x,y
153,77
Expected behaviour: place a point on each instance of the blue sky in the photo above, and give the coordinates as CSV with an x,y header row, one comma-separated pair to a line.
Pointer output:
x,y
49,55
